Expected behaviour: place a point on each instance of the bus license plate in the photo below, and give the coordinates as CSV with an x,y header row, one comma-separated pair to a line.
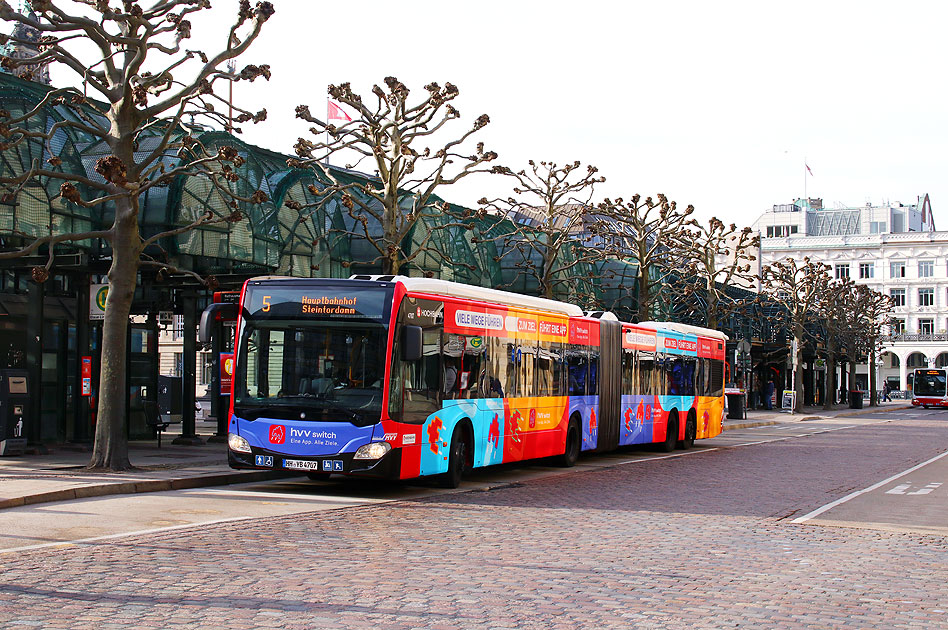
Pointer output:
x,y
299,464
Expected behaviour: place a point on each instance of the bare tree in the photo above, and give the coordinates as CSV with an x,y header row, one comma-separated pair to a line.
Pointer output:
x,y
551,222
138,124
642,231
717,257
393,136
866,318
798,289
834,310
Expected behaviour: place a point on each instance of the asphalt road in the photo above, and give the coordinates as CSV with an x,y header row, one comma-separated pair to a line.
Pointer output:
x,y
809,524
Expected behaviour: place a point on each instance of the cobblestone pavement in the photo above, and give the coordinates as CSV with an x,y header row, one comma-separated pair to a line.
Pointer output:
x,y
695,542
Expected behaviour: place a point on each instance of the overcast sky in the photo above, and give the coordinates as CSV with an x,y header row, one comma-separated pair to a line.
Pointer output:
x,y
716,104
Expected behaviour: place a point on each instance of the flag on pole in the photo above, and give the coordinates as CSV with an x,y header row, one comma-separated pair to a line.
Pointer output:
x,y
336,113
808,169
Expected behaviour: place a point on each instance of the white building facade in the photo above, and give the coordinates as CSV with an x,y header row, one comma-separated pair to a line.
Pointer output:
x,y
893,249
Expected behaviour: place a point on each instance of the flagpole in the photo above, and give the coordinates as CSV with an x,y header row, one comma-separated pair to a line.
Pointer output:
x,y
806,199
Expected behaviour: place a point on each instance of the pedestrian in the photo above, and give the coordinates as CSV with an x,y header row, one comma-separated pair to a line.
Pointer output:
x,y
885,392
450,376
770,394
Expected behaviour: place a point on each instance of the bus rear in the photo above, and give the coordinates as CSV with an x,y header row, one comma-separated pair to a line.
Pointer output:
x,y
930,387
309,374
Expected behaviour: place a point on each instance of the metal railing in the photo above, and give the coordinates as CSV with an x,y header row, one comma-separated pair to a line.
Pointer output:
x,y
916,337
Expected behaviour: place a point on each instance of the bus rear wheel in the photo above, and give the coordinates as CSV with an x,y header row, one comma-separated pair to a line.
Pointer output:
x,y
691,430
671,434
457,459
573,439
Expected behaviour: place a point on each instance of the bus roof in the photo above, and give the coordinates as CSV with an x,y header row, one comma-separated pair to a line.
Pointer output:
x,y
684,329
455,289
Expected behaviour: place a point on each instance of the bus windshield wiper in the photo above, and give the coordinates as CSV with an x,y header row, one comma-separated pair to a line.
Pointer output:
x,y
335,405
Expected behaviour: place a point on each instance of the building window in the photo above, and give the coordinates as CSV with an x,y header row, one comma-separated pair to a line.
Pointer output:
x,y
897,269
842,272
898,297
926,268
877,227
177,329
926,297
780,231
916,359
866,270
926,326
178,364
898,327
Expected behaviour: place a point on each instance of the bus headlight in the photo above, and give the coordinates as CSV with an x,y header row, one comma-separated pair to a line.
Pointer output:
x,y
375,450
237,443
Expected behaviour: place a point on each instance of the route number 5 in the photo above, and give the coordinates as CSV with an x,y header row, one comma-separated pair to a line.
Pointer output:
x,y
266,303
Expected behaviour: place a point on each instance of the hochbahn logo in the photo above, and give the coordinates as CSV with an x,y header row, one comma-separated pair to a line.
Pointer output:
x,y
277,434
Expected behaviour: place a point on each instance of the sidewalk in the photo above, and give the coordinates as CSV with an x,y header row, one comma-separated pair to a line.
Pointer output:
x,y
59,475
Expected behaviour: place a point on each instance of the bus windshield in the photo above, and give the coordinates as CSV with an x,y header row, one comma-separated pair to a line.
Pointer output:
x,y
311,370
930,383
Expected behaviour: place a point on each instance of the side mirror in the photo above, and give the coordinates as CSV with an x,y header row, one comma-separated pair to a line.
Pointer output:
x,y
210,315
411,343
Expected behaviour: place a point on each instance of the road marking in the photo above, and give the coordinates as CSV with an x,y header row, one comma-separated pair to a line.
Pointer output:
x,y
902,487
853,495
81,541
651,459
899,489
302,498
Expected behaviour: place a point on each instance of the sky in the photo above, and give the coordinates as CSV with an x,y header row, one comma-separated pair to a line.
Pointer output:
x,y
715,104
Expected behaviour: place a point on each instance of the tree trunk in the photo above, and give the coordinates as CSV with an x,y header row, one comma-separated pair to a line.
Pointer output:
x,y
852,378
110,449
873,401
829,385
799,387
643,297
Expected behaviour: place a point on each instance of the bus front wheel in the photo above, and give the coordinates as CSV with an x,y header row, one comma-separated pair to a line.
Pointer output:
x,y
457,459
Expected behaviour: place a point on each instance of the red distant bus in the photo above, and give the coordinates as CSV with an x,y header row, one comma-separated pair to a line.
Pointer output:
x,y
929,388
400,377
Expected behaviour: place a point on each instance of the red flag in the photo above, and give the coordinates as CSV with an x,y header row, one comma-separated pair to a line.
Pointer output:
x,y
808,169
336,113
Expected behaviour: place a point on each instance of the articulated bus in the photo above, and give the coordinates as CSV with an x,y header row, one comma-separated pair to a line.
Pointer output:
x,y
398,377
929,387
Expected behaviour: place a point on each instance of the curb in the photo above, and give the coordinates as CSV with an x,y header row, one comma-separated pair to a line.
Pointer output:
x,y
802,418
749,425
151,485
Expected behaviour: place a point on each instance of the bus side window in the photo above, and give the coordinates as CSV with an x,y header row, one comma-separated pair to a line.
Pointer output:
x,y
592,381
646,368
577,368
549,369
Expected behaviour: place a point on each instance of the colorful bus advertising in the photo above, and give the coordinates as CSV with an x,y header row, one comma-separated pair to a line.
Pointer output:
x,y
402,377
